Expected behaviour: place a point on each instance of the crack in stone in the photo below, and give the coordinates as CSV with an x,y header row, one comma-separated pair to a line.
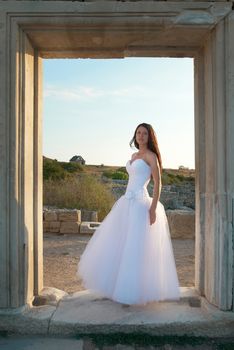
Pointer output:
x,y
52,315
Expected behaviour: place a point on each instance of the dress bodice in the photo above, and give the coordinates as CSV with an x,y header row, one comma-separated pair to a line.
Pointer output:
x,y
139,174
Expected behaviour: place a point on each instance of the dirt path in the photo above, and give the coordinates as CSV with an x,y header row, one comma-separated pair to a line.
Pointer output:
x,y
61,255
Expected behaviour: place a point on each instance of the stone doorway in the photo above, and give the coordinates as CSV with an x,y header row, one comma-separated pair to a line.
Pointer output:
x,y
33,30
61,252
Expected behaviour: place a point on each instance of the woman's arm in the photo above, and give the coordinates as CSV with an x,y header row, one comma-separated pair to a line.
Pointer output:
x,y
155,170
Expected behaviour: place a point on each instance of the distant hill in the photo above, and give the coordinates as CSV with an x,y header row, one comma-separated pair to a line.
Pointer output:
x,y
54,169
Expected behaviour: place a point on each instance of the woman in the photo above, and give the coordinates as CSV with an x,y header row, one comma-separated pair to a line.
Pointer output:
x,y
129,258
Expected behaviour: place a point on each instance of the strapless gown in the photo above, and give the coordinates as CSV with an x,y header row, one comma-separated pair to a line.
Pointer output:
x,y
127,259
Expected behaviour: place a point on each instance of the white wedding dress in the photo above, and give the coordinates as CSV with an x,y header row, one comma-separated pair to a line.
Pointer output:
x,y
127,259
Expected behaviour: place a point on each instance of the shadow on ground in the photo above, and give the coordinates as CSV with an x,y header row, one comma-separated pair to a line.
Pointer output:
x,y
116,341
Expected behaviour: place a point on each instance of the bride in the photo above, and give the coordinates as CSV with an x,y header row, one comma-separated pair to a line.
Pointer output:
x,y
129,258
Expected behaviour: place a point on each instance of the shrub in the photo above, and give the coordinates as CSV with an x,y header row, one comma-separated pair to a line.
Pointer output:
x,y
72,167
119,175
170,179
115,175
122,169
81,192
52,170
190,179
108,173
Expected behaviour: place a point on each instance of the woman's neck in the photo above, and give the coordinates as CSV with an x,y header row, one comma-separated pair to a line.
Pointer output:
x,y
142,150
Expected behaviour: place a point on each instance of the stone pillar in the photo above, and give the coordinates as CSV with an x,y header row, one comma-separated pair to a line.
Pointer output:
x,y
4,168
200,178
215,193
38,175
21,174
229,132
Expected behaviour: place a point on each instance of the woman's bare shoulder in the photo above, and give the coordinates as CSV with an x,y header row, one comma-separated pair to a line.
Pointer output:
x,y
150,154
152,158
133,155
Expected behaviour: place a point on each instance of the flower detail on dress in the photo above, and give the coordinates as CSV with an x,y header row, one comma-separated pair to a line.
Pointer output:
x,y
129,194
139,194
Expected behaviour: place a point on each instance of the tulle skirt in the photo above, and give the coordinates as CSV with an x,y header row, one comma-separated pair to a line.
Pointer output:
x,y
127,259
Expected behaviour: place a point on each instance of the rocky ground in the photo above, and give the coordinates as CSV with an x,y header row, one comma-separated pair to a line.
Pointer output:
x,y
62,252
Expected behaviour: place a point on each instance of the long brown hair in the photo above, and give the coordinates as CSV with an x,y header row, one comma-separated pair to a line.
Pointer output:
x,y
152,142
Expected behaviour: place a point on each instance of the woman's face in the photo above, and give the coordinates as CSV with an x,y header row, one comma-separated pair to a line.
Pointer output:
x,y
142,135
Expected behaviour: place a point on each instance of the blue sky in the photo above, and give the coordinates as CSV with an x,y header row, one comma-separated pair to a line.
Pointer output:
x,y
92,107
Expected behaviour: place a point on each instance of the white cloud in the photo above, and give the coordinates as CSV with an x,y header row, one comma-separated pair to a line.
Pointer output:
x,y
86,92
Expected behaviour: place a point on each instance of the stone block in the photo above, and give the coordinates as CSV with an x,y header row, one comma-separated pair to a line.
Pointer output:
x,y
54,227
49,296
94,216
46,226
88,227
70,215
89,215
181,223
50,216
69,227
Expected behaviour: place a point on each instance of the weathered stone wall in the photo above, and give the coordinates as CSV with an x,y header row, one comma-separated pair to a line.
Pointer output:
x,y
172,196
178,196
65,221
62,221
181,223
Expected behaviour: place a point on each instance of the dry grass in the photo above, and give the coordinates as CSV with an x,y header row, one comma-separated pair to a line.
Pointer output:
x,y
81,192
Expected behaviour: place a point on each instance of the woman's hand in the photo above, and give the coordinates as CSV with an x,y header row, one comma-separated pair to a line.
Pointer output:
x,y
152,214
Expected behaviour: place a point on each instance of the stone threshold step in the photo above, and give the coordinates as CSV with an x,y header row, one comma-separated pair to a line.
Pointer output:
x,y
85,313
